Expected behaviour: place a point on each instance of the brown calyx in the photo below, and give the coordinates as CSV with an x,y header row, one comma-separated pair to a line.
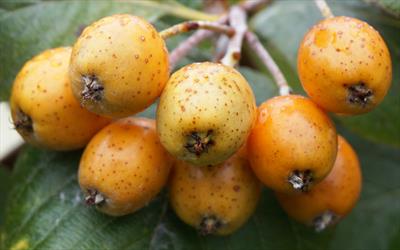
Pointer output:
x,y
301,180
93,90
359,94
23,123
324,220
93,197
199,142
209,225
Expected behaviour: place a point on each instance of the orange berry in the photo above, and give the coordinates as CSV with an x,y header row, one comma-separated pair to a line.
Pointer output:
x,y
344,65
333,198
124,166
293,144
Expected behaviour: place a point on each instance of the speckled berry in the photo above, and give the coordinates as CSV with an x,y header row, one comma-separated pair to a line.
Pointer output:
x,y
119,66
205,114
44,110
124,167
344,65
215,199
333,198
293,144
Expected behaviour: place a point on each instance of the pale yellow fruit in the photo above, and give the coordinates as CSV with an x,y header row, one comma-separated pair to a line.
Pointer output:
x,y
205,114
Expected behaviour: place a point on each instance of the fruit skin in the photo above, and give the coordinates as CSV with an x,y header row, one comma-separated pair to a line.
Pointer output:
x,y
291,134
210,101
340,56
337,193
228,192
126,164
129,60
43,108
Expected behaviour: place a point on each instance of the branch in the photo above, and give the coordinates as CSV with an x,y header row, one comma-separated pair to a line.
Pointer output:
x,y
183,49
195,25
324,8
269,62
237,19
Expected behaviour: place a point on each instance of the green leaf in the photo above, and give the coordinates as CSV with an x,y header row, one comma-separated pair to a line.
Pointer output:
x,y
282,26
390,6
4,188
45,211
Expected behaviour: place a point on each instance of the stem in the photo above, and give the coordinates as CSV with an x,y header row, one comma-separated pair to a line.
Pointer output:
x,y
175,9
194,25
253,4
237,19
269,62
183,49
324,8
186,46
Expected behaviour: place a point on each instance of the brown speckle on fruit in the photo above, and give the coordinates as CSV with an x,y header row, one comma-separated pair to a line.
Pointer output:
x,y
92,90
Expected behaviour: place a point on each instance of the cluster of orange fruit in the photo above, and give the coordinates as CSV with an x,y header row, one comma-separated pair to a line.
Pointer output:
x,y
209,141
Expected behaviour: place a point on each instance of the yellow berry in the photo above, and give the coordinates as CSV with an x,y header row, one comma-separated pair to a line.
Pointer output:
x,y
44,110
215,199
119,66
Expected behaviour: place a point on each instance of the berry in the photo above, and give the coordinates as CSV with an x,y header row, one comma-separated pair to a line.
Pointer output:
x,y
119,66
205,113
293,144
124,166
344,65
44,110
215,199
331,199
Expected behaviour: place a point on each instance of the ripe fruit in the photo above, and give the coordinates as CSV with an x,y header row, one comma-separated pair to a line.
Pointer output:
x,y
205,113
119,66
333,198
293,144
344,65
43,108
124,166
215,199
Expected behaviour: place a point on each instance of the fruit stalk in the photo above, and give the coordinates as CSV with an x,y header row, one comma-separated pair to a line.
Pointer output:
x,y
324,8
237,19
195,25
269,62
183,49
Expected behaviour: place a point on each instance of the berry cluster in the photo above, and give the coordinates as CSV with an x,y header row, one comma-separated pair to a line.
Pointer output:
x,y
208,130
